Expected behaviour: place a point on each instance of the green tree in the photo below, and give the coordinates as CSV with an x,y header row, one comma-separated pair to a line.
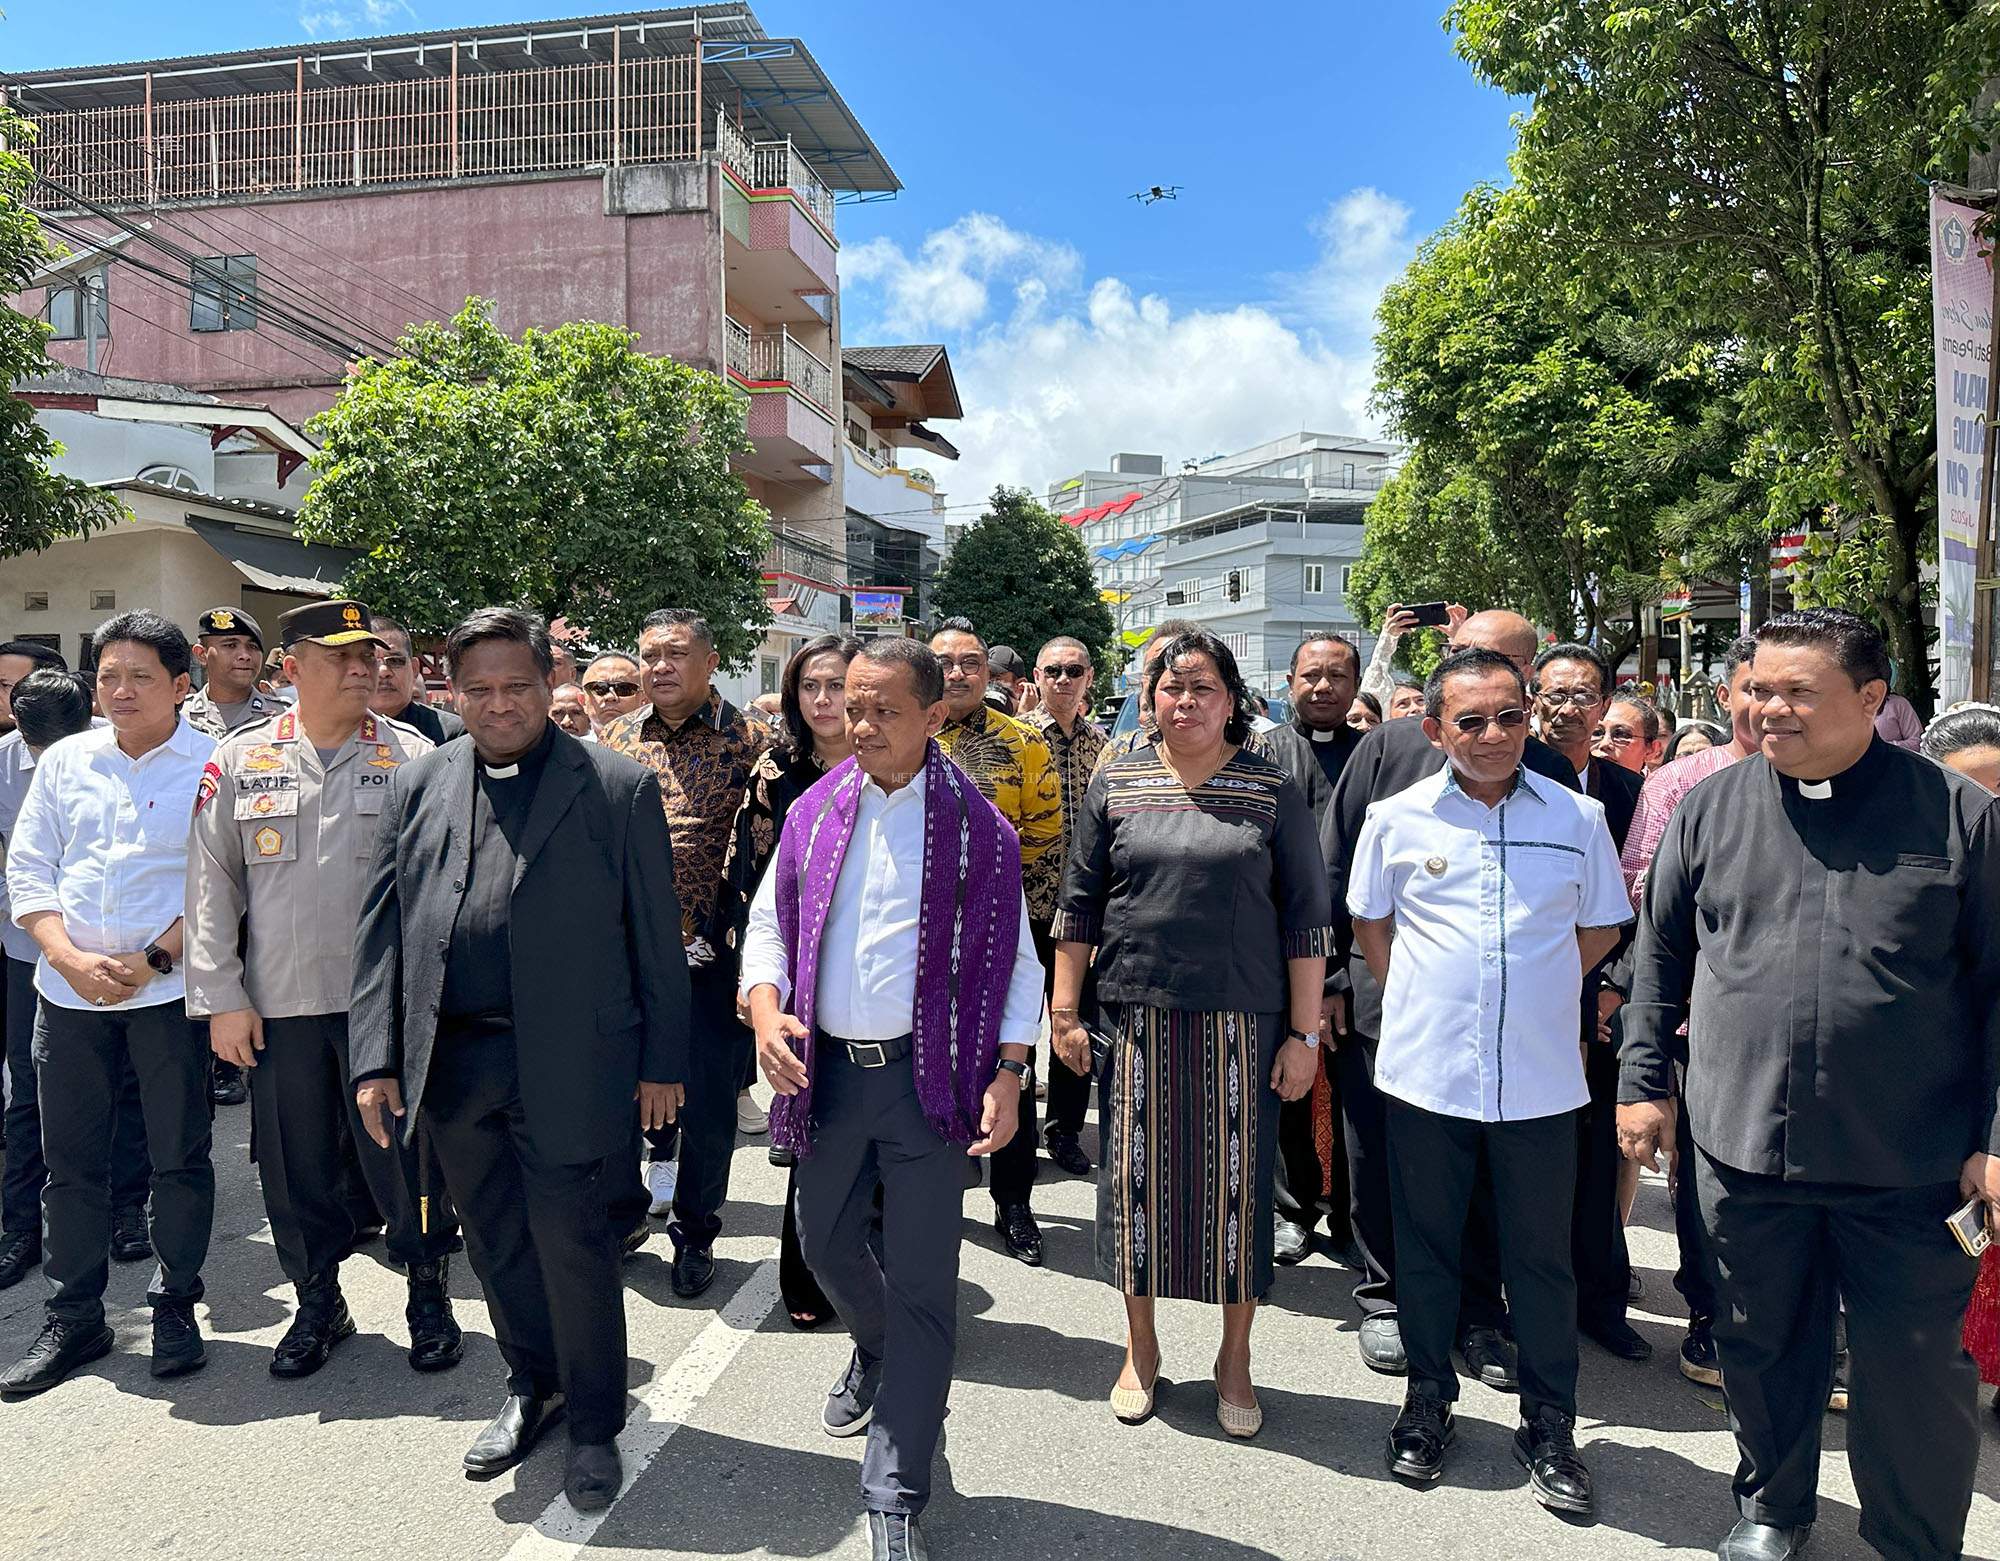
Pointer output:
x,y
566,472
1023,577
1755,167
1547,439
37,507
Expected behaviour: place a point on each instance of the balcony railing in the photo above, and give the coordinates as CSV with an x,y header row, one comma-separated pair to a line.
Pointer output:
x,y
769,357
447,126
773,165
794,553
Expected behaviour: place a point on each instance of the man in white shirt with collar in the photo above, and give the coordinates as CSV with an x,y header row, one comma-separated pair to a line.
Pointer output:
x,y
1480,895
895,1012
96,871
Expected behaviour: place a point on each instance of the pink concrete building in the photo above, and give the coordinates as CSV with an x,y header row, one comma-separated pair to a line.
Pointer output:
x,y
264,217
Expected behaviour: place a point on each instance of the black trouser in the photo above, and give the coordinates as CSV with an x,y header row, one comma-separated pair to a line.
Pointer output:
x,y
703,1137
535,1230
1296,1188
1695,1276
1068,1092
81,1058
1602,1262
902,1308
1784,1251
1433,1163
309,1136
21,1185
1370,1212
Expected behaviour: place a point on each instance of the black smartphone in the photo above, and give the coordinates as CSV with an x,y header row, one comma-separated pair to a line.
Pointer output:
x,y
1430,615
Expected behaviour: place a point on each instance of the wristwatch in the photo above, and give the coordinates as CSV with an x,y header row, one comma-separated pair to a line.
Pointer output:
x,y
159,959
1018,1069
1311,1040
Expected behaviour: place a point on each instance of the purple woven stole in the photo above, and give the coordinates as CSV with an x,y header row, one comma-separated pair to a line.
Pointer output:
x,y
968,932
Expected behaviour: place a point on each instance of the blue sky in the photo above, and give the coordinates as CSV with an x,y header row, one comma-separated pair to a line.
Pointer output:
x,y
1316,144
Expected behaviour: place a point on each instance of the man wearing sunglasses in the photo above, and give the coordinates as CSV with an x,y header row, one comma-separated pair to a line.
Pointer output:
x,y
1480,895
611,688
1063,675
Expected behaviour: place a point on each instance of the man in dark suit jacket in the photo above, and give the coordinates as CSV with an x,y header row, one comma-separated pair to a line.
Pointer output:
x,y
1572,692
1392,758
523,1072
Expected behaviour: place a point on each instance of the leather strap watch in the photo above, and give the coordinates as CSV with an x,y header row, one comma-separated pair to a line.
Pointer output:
x,y
1311,1041
1018,1069
161,961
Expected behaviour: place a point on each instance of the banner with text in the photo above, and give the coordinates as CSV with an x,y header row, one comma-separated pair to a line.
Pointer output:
x,y
1962,315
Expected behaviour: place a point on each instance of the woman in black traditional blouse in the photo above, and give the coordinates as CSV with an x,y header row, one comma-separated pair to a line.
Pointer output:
x,y
1195,872
812,739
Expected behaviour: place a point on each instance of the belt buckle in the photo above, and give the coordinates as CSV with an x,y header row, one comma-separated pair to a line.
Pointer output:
x,y
856,1048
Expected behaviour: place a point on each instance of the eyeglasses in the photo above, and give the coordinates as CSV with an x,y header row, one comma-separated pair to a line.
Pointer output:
x,y
1615,736
611,690
973,664
1506,720
1065,672
1582,698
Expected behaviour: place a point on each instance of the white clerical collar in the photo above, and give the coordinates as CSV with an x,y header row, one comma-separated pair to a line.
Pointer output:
x,y
1816,791
1326,736
501,771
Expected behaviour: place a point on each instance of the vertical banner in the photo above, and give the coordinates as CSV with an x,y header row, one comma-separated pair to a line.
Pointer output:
x,y
1962,316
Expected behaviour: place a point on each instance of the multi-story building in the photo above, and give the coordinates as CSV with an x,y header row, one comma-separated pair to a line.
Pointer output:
x,y
1257,546
895,510
263,217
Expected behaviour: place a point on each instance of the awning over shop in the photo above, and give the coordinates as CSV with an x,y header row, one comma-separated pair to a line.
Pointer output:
x,y
272,562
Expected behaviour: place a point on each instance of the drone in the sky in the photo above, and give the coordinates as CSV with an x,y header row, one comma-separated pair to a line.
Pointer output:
x,y
1158,192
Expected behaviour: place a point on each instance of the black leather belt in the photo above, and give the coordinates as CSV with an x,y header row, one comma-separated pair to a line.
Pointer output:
x,y
871,1054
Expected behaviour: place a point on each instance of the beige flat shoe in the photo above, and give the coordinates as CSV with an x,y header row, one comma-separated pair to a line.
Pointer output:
x,y
1236,1420
1133,1405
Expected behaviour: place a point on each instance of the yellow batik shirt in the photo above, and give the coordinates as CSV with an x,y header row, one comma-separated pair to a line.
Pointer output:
x,y
1010,764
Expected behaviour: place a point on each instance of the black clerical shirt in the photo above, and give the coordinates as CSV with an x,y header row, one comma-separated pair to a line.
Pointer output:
x,y
479,972
1837,960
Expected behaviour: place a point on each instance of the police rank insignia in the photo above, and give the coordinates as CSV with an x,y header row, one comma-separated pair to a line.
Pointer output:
x,y
264,756
269,842
1435,867
385,758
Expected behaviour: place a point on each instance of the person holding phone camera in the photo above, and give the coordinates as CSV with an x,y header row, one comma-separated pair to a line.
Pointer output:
x,y
1825,915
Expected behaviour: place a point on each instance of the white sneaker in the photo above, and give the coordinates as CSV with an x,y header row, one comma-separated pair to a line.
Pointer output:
x,y
751,1118
662,1176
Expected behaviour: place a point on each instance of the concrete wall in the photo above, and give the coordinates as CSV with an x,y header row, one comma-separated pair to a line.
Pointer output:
x,y
547,250
169,570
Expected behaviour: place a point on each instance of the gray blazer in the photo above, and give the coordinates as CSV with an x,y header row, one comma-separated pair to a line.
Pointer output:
x,y
600,983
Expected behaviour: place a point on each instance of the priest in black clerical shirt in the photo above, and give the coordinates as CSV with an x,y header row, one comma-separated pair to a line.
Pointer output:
x,y
522,1072
1825,916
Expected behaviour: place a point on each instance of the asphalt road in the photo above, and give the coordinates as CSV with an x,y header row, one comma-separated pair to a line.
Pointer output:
x,y
725,1457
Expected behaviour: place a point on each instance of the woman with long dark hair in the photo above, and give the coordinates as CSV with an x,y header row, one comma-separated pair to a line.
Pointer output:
x,y
812,739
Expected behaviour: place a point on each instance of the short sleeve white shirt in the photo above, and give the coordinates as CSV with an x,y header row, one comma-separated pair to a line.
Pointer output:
x,y
1483,1009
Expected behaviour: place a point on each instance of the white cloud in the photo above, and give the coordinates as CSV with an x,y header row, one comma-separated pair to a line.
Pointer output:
x,y
1057,372
336,20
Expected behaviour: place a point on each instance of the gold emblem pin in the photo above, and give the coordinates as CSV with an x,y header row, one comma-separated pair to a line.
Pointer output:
x,y
1435,867
269,841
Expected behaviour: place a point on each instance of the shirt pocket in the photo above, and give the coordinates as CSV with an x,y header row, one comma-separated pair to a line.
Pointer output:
x,y
270,841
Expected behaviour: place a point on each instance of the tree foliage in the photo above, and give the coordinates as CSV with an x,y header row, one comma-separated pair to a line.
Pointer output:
x,y
37,507
1023,577
566,472
1753,169
1547,440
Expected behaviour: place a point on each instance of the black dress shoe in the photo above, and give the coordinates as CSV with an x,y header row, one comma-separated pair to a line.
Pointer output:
x,y
1019,1233
1420,1435
1699,1362
784,1157
228,1088
1067,1153
320,1323
1290,1242
593,1476
58,1350
19,1253
635,1238
511,1435
1762,1542
694,1270
1490,1356
895,1536
130,1240
1620,1338
177,1343
436,1341
1546,1448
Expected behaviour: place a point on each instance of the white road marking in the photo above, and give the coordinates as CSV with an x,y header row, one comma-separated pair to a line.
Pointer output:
x,y
667,1402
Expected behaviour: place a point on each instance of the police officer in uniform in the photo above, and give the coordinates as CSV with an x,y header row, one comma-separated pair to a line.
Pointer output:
x,y
229,649
285,821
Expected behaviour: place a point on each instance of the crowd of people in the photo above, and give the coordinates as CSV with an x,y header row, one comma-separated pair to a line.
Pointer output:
x,y
1438,963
